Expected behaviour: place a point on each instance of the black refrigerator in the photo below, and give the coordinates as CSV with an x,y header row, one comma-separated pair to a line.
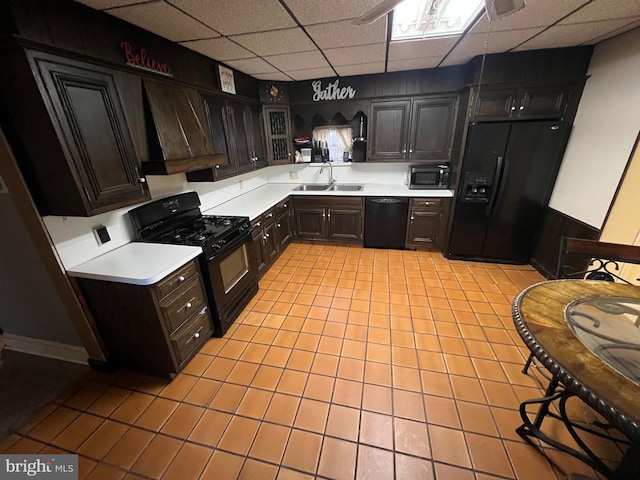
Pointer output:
x,y
508,171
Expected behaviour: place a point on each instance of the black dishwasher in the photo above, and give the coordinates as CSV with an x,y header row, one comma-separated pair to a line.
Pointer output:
x,y
385,222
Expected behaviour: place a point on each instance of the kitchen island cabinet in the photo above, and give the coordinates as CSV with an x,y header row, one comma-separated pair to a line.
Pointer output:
x,y
77,154
329,218
427,222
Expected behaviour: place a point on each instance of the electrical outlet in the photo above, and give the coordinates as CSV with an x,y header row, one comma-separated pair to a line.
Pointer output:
x,y
102,235
293,175
241,186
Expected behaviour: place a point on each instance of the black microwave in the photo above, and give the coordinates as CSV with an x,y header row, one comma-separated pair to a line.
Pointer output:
x,y
427,177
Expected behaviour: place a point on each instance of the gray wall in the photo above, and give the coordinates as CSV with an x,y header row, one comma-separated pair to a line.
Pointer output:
x,y
29,303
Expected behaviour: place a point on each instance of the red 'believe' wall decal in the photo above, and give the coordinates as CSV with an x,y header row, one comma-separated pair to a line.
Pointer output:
x,y
141,60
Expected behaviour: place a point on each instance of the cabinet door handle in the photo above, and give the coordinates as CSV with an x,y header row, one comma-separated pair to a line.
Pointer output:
x,y
412,218
284,206
329,215
217,166
257,224
410,151
266,235
278,225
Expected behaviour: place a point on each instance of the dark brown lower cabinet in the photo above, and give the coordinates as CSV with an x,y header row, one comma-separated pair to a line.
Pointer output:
x,y
154,329
427,222
272,232
329,218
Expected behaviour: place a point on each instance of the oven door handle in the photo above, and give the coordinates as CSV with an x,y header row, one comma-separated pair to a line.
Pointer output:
x,y
230,246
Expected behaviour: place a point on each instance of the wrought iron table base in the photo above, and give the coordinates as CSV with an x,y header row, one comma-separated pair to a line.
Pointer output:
x,y
556,391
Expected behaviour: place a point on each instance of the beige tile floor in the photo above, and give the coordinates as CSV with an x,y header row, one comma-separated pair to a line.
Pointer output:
x,y
350,363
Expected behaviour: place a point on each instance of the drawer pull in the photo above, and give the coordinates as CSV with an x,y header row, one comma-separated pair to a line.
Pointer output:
x,y
258,224
195,335
187,305
278,225
429,203
181,278
270,215
284,206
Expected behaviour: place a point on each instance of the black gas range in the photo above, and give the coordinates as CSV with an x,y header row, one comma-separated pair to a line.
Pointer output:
x,y
228,262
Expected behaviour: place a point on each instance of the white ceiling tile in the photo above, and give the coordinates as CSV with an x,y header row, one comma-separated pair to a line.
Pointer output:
x,y
312,12
311,73
604,10
615,33
103,4
361,69
568,35
343,34
251,66
458,58
536,13
430,47
275,42
298,61
272,76
221,49
164,20
472,45
413,63
356,55
232,17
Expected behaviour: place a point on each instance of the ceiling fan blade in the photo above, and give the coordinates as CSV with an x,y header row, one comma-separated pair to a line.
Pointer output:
x,y
376,12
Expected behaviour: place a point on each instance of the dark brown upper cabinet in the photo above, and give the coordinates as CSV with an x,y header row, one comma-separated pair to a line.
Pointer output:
x,y
420,129
176,130
278,133
70,132
236,131
513,103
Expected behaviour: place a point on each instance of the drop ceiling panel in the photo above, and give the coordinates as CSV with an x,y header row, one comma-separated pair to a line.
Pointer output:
x,y
536,13
567,35
361,69
343,34
290,40
604,10
272,76
311,73
298,61
221,49
311,12
472,45
231,17
617,32
431,47
164,20
103,4
252,66
356,55
413,63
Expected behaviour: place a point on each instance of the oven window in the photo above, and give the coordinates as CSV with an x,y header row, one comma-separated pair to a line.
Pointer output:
x,y
426,178
234,267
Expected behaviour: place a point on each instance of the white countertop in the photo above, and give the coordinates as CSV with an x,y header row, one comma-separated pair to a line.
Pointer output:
x,y
136,263
254,202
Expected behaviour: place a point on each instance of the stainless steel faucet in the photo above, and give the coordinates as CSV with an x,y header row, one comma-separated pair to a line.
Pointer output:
x,y
331,179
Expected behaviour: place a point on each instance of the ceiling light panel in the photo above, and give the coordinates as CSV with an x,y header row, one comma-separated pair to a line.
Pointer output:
x,y
219,49
165,20
536,13
311,13
356,55
343,34
569,35
232,17
431,47
275,42
298,61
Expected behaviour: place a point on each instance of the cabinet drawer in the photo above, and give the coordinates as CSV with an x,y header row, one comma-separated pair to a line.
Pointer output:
x,y
186,340
177,279
426,202
179,308
284,205
269,216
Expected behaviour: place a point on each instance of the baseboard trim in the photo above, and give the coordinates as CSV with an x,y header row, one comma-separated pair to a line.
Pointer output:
x,y
46,348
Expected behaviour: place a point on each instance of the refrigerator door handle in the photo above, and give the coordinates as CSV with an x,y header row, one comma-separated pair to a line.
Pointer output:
x,y
496,182
501,187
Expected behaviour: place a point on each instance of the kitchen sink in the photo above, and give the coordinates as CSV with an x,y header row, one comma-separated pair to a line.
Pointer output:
x,y
311,187
345,188
314,187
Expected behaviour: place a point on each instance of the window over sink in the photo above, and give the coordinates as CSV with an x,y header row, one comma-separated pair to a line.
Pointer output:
x,y
337,138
